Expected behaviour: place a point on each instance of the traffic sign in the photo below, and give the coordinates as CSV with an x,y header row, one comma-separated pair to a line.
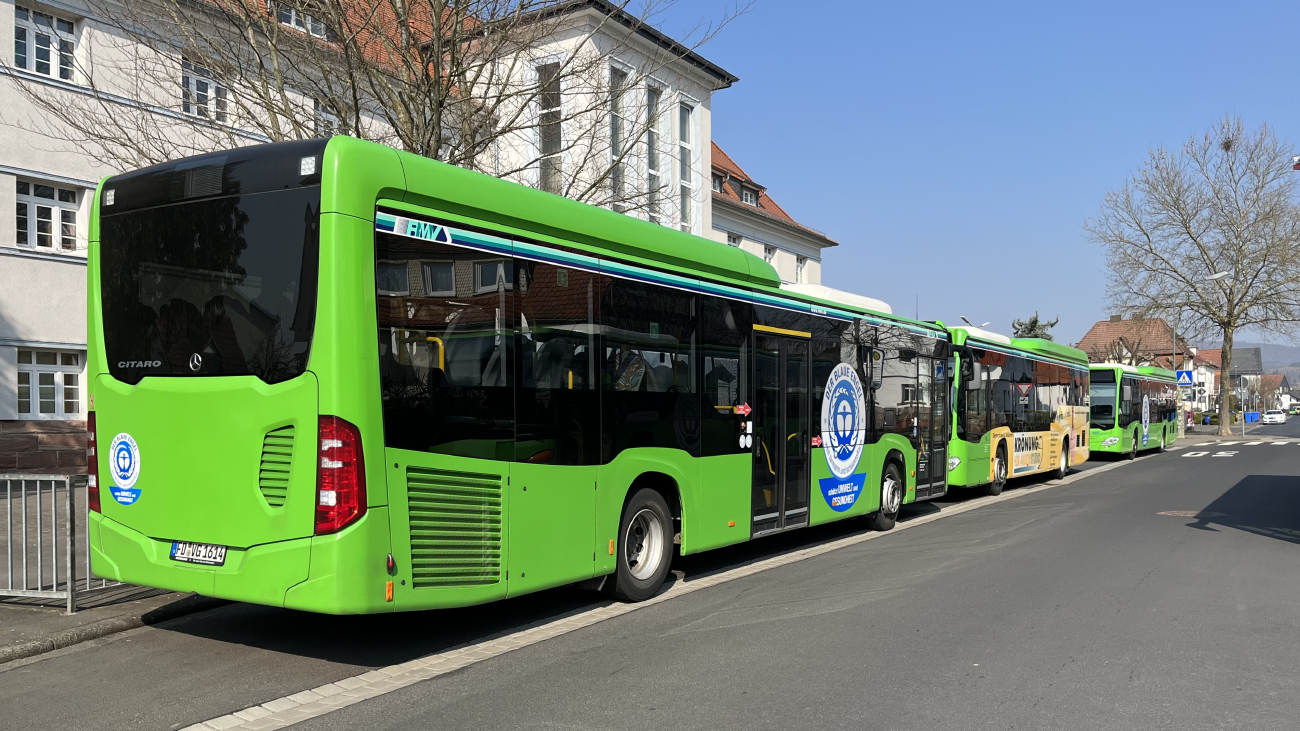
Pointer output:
x,y
1023,388
1185,378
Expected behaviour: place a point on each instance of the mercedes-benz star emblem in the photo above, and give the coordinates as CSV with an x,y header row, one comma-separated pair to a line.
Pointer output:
x,y
196,362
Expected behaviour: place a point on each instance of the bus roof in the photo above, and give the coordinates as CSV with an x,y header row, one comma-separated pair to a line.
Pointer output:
x,y
1036,347
1163,374
470,196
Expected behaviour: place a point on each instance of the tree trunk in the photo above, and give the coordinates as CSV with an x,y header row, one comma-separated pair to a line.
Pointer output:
x,y
1225,385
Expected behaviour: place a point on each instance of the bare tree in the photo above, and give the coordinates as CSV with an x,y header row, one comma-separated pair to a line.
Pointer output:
x,y
1120,350
1034,327
521,89
1211,232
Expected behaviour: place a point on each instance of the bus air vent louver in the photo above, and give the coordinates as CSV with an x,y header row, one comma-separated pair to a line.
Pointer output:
x,y
277,456
455,521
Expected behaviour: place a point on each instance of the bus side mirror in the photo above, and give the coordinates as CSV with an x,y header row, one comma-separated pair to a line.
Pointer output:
x,y
967,370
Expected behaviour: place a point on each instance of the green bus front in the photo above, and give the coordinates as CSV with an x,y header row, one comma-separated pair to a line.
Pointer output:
x,y
1132,408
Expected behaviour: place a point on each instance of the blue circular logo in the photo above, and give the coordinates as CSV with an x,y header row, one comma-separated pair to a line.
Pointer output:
x,y
124,468
844,417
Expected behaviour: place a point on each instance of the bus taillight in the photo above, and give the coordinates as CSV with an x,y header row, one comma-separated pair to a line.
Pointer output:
x,y
340,476
92,465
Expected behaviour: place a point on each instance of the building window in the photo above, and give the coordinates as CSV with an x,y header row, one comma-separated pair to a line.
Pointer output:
x,y
617,135
200,94
748,196
390,278
43,43
439,279
733,239
653,157
685,153
549,164
325,120
49,384
769,253
46,216
295,18
489,276
717,183
799,263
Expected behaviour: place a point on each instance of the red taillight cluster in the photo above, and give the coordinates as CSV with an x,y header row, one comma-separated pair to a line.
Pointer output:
x,y
340,476
92,464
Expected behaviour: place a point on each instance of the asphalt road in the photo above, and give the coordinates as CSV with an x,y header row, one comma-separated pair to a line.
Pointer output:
x,y
1076,607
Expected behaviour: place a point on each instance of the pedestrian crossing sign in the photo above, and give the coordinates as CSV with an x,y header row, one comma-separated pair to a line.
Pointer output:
x,y
1185,378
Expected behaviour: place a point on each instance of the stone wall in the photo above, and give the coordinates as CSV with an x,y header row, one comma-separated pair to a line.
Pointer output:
x,y
43,447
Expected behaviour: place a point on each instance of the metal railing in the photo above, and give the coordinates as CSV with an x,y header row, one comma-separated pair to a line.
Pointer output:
x,y
45,538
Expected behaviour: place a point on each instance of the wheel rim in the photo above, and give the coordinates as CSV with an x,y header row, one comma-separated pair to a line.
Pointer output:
x,y
892,496
999,470
1065,462
644,544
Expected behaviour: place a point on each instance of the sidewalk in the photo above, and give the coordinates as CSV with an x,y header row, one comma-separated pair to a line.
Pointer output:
x,y
31,627
1208,434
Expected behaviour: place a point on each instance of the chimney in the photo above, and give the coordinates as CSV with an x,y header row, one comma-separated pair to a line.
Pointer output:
x,y
1116,318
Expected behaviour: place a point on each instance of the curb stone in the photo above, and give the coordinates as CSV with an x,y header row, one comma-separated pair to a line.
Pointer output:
x,y
95,630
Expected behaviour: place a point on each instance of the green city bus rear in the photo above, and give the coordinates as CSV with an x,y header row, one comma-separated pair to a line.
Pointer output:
x,y
1132,408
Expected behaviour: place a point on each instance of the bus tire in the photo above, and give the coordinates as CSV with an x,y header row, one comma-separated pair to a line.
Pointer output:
x,y
1160,448
892,488
1133,450
1064,468
999,471
645,548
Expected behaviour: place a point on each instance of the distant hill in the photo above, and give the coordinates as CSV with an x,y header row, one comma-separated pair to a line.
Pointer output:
x,y
1275,356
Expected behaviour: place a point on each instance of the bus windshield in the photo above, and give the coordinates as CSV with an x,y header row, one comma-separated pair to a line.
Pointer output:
x,y
223,285
1103,400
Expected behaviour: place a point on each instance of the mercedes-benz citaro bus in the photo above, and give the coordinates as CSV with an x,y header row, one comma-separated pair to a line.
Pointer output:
x,y
1021,408
1134,408
332,376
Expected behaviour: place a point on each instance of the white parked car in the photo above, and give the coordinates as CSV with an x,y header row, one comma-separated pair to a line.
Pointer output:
x,y
1273,416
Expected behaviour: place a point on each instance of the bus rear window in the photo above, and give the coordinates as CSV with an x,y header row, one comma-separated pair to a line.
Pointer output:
x,y
221,286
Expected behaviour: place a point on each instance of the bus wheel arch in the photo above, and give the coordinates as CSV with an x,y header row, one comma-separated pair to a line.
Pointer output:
x,y
647,533
1000,468
894,467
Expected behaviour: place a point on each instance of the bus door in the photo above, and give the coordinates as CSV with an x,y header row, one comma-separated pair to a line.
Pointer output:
x,y
782,420
932,428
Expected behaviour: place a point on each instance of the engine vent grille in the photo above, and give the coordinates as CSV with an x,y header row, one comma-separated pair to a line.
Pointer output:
x,y
455,521
277,456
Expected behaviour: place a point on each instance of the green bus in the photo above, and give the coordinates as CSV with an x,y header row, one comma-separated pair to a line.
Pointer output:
x,y
1133,408
332,376
1021,408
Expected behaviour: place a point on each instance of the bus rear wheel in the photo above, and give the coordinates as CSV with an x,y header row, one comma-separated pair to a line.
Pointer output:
x,y
1161,447
999,472
645,548
1064,468
891,498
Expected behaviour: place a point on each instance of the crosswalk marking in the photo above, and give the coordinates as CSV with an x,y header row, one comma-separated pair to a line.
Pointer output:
x,y
1284,442
1224,444
1252,444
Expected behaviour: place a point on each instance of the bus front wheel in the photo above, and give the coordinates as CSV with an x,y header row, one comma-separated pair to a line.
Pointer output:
x,y
1064,468
891,498
645,548
999,472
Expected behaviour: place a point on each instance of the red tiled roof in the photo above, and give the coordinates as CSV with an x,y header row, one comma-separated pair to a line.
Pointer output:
x,y
733,175
1148,337
1272,380
1213,357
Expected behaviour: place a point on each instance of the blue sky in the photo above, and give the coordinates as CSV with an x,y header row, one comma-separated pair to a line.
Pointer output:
x,y
955,149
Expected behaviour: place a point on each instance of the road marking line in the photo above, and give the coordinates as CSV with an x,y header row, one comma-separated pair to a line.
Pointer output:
x,y
1224,444
1196,454
313,702
1284,442
1252,444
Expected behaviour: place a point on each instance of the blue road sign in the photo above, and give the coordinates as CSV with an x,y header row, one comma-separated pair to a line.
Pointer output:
x,y
1185,378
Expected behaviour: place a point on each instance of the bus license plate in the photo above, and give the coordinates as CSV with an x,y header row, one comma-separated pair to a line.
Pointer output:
x,y
204,553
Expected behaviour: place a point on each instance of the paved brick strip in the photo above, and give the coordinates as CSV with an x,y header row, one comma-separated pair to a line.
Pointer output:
x,y
318,701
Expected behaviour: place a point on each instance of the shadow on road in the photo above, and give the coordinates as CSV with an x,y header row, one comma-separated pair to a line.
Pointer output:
x,y
386,639
1266,505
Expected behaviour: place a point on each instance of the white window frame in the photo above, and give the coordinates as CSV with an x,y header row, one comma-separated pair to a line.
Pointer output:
x,y
201,95
539,110
621,142
734,239
63,216
60,44
292,17
67,380
426,280
799,263
769,255
654,151
325,121
500,265
687,140
749,196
